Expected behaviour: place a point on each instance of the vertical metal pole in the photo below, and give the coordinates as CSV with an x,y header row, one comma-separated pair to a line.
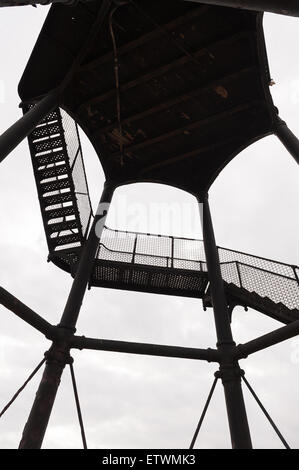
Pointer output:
x,y
134,249
172,251
75,298
58,355
239,274
287,137
26,124
229,371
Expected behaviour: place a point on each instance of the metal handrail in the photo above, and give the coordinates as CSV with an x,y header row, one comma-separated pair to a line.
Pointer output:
x,y
151,234
200,240
134,252
265,270
234,276
258,257
200,262
167,258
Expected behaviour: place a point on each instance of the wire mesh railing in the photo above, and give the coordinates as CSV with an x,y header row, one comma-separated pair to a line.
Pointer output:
x,y
268,278
74,149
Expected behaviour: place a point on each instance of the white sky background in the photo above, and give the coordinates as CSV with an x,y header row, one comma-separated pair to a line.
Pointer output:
x,y
131,401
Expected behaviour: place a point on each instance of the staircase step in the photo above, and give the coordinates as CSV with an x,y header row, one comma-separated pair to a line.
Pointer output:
x,y
57,199
59,212
53,171
46,130
61,226
53,115
47,144
55,185
51,157
66,239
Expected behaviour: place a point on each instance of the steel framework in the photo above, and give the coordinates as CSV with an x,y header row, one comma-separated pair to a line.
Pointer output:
x,y
38,118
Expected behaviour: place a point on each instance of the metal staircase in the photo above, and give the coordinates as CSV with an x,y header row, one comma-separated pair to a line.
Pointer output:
x,y
60,179
167,92
139,261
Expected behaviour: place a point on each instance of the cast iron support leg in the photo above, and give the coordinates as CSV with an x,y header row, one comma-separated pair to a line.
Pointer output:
x,y
26,124
229,371
288,139
58,355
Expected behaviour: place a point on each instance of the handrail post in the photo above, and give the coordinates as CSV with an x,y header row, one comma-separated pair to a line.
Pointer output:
x,y
239,273
172,252
229,371
296,275
134,249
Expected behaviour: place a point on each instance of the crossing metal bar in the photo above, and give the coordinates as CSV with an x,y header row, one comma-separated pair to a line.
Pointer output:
x,y
80,342
203,414
26,314
286,136
267,340
286,445
26,124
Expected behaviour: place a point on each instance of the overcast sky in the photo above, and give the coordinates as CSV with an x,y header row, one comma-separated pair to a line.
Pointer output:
x,y
142,402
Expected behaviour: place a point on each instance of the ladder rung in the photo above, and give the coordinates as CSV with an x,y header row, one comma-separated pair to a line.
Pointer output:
x,y
45,131
66,239
57,170
59,212
57,199
51,116
61,226
49,144
51,157
55,185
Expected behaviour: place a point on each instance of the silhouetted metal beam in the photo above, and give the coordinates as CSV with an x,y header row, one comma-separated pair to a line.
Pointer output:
x,y
58,355
26,124
26,314
282,7
229,372
265,341
86,262
286,136
80,342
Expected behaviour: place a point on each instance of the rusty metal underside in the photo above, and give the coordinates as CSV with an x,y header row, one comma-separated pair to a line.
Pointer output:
x,y
194,86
